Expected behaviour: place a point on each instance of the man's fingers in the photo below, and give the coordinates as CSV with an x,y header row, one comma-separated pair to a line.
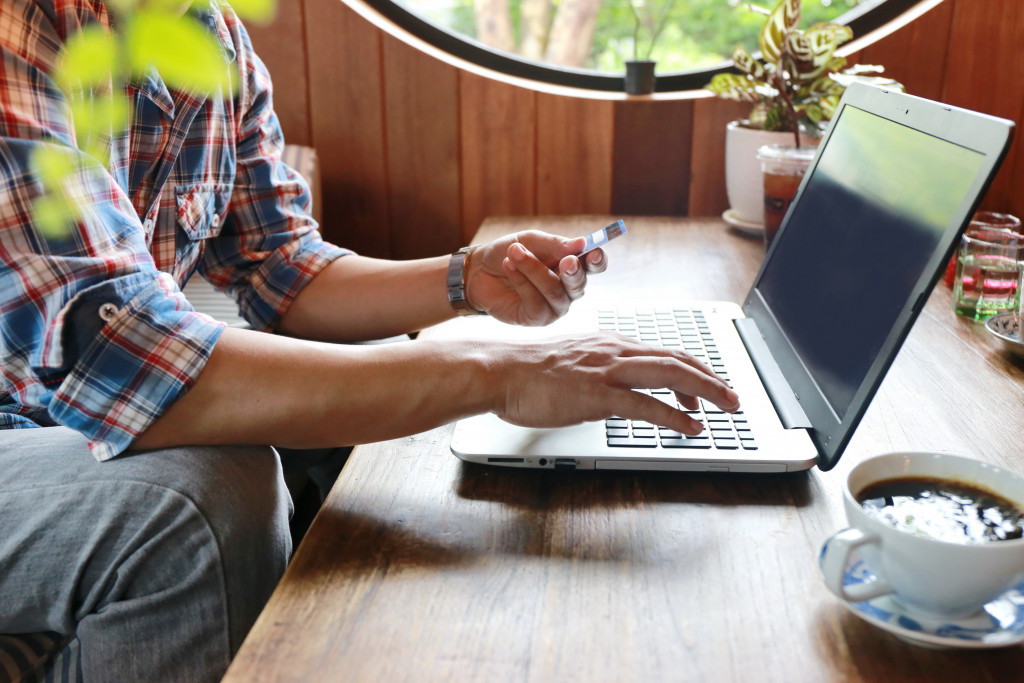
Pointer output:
x,y
546,283
670,372
573,276
595,261
634,405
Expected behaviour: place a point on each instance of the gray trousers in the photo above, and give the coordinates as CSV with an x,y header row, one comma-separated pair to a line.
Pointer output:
x,y
157,563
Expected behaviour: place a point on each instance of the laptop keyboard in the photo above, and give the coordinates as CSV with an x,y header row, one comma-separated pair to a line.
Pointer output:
x,y
684,328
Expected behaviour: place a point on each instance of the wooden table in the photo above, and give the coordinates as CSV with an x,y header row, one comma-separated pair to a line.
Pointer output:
x,y
423,568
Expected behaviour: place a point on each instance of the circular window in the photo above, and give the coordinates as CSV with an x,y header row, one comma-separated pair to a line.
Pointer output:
x,y
585,43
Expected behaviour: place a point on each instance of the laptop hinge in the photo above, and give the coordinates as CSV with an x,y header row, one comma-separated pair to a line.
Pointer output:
x,y
781,394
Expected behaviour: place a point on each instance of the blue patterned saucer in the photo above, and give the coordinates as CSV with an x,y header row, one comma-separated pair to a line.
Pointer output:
x,y
1000,624
1006,326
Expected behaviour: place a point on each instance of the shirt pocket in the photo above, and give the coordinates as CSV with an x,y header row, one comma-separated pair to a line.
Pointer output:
x,y
201,209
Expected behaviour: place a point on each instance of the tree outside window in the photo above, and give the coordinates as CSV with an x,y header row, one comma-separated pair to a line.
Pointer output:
x,y
599,35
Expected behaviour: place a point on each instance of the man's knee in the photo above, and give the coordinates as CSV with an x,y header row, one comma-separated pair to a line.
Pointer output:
x,y
240,492
241,496
193,539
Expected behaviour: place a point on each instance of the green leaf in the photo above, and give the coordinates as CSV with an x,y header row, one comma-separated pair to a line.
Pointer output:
x,y
812,51
259,11
845,80
100,114
780,23
828,106
90,58
775,118
181,49
54,215
734,87
822,87
814,112
746,63
52,164
861,69
96,119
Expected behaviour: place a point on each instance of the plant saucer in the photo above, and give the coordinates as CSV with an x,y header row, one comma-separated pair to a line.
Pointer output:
x,y
749,228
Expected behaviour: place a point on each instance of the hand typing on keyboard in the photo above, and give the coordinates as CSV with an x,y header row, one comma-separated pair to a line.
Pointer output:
x,y
576,379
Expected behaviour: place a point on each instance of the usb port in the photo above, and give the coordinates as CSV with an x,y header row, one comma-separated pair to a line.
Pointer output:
x,y
565,464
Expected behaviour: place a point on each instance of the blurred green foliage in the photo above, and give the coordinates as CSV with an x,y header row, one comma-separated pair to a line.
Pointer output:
x,y
161,36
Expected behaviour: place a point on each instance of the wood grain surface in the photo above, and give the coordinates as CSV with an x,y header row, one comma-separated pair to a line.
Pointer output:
x,y
423,568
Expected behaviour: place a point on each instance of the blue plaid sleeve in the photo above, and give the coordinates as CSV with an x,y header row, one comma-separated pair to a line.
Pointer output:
x,y
270,245
92,335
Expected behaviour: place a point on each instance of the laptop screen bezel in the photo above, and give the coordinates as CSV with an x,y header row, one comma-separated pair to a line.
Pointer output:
x,y
985,134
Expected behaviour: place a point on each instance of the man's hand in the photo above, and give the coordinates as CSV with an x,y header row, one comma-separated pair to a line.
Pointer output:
x,y
529,278
577,379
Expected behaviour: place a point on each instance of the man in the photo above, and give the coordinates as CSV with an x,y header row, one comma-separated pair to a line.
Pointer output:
x,y
144,512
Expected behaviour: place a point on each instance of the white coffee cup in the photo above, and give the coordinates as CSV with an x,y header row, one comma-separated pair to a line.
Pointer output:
x,y
932,577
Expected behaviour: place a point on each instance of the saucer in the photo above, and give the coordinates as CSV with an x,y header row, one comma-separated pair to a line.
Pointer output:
x,y
999,624
1006,326
746,227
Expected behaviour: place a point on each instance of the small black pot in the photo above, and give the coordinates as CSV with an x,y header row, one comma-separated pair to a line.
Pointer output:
x,y
640,76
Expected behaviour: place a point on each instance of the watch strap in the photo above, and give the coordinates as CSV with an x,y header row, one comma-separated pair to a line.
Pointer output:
x,y
456,282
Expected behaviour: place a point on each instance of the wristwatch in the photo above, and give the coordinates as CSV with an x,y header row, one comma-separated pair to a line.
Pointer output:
x,y
457,283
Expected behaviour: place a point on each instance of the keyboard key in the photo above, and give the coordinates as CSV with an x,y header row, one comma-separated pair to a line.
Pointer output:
x,y
616,431
632,443
727,444
686,443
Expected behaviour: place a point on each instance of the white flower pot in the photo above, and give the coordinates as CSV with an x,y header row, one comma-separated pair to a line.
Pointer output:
x,y
743,181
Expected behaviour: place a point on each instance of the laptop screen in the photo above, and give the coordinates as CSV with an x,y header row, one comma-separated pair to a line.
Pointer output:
x,y
869,219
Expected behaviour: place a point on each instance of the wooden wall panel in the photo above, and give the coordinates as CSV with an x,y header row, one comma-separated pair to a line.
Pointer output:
x,y
707,175
651,173
347,117
574,155
917,54
985,72
421,97
499,152
281,45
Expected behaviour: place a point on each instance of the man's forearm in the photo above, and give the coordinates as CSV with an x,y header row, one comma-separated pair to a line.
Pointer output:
x,y
357,298
264,389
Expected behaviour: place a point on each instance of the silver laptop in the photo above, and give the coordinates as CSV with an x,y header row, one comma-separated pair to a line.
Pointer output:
x,y
877,216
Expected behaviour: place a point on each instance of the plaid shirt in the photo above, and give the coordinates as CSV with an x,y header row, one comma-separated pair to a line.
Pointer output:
x,y
94,331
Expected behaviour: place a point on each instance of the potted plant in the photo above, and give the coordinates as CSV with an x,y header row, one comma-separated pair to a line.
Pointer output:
x,y
640,70
793,90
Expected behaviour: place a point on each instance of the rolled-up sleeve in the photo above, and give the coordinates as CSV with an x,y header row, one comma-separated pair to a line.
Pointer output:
x,y
92,335
269,247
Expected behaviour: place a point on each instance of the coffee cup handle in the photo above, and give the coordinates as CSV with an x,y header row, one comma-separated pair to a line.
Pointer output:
x,y
835,557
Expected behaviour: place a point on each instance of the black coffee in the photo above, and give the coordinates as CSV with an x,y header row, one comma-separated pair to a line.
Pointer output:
x,y
943,509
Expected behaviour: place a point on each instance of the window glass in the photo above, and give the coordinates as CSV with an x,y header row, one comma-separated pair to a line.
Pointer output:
x,y
599,35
